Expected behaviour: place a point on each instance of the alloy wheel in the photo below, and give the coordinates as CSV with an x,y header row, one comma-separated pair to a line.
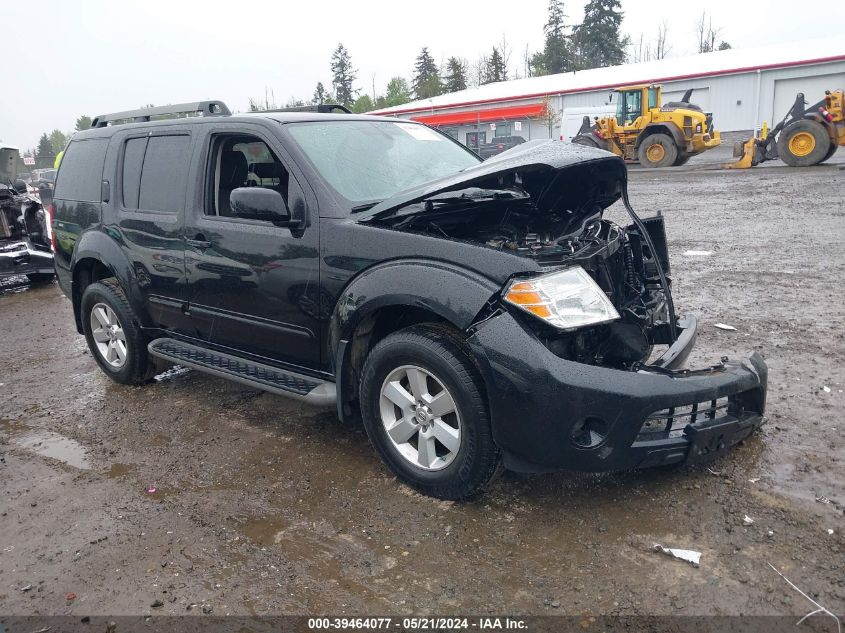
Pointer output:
x,y
420,417
108,335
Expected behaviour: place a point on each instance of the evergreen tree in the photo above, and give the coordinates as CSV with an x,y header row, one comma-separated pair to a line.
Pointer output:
x,y
83,123
342,76
426,83
557,56
362,104
58,140
456,75
44,153
495,68
319,94
398,93
597,40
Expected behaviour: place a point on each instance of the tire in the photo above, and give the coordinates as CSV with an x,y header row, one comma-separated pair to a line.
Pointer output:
x,y
830,152
682,159
657,150
803,144
437,358
131,367
41,278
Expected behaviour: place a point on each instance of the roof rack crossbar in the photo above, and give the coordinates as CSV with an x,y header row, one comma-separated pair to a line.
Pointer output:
x,y
203,108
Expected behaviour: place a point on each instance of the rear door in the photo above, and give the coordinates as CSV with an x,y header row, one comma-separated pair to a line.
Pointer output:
x,y
149,197
253,286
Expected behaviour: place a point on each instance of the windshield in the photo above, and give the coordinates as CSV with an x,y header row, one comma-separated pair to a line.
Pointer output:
x,y
369,161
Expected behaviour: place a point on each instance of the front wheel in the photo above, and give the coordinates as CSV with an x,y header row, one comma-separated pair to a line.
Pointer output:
x,y
803,144
658,150
114,338
425,412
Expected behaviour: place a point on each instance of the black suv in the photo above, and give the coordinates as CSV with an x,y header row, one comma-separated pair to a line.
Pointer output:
x,y
470,313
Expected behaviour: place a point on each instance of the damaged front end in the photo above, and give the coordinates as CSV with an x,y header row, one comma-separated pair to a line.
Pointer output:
x,y
24,236
546,205
567,348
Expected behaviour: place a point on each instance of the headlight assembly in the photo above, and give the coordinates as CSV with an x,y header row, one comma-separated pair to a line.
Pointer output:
x,y
565,299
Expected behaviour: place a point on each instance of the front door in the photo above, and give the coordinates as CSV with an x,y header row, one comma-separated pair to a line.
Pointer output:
x,y
253,286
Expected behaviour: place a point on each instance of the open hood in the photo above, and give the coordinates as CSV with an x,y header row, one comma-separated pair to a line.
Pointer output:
x,y
8,163
550,173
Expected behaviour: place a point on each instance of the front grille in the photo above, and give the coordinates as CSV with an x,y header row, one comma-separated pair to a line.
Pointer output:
x,y
671,422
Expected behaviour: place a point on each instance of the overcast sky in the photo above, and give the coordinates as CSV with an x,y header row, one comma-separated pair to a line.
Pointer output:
x,y
95,56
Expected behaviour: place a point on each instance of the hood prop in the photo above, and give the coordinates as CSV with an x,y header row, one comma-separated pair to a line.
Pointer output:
x,y
663,281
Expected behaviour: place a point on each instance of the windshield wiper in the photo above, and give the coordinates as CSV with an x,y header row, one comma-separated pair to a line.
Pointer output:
x,y
365,207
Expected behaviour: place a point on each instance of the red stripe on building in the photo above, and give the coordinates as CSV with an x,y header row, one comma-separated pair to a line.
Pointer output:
x,y
483,116
655,80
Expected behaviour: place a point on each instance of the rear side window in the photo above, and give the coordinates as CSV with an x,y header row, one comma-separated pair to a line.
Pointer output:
x,y
81,171
155,173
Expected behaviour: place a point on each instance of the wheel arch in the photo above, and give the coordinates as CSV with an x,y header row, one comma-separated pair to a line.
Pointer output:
x,y
98,257
389,297
662,128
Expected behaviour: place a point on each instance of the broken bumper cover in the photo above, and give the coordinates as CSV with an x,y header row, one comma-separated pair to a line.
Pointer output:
x,y
548,413
21,258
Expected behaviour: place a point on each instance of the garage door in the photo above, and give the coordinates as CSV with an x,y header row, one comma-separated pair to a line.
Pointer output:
x,y
700,97
812,87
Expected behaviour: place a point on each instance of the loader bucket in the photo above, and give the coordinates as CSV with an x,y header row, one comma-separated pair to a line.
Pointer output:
x,y
747,154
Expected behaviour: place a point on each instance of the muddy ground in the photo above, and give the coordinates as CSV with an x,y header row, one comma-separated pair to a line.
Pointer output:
x,y
264,506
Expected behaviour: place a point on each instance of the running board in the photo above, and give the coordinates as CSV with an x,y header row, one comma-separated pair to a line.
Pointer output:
x,y
286,383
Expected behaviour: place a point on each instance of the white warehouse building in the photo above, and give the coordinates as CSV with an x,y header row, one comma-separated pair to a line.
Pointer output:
x,y
741,87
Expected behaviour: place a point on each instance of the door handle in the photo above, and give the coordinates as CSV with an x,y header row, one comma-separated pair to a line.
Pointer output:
x,y
199,242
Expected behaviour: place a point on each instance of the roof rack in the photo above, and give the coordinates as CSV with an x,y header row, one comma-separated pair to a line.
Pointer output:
x,y
203,108
322,108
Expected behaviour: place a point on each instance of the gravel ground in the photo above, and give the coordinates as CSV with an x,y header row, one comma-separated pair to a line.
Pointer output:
x,y
263,506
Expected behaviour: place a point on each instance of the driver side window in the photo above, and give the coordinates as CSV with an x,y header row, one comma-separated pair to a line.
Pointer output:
x,y
633,106
243,161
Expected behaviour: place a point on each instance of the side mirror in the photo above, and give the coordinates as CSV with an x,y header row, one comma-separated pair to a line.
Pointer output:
x,y
257,203
20,186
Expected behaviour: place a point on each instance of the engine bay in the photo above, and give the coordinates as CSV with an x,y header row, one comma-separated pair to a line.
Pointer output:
x,y
618,259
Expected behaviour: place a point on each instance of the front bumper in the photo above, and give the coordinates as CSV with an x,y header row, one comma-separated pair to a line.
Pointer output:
x,y
651,417
22,258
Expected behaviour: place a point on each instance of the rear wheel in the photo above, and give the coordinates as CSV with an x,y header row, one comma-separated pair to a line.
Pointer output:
x,y
803,143
425,412
658,150
114,338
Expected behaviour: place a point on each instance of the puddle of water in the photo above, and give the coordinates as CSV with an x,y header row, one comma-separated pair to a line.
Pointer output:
x,y
119,470
54,446
264,530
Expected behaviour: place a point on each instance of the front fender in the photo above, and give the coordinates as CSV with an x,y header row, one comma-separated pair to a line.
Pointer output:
x,y
446,290
661,128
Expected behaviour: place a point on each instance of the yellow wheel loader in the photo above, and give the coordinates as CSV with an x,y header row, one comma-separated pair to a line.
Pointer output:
x,y
649,133
806,136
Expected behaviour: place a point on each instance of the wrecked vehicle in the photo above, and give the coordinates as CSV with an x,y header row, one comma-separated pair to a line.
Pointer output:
x,y
24,226
469,313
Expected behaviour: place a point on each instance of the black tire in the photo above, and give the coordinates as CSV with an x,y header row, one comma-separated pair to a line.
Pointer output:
x,y
682,159
137,367
440,351
41,278
669,154
807,129
831,151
